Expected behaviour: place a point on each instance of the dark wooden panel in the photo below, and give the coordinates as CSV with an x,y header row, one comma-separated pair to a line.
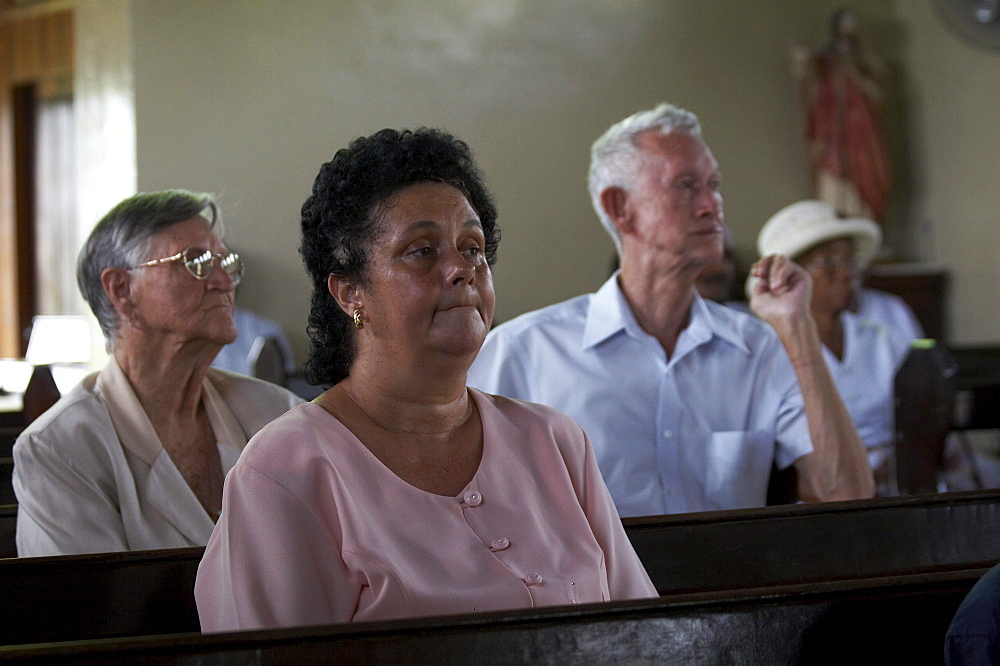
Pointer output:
x,y
87,596
8,527
6,482
978,385
814,542
898,620
151,592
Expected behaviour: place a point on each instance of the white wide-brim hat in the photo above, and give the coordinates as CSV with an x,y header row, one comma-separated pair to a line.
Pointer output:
x,y
803,225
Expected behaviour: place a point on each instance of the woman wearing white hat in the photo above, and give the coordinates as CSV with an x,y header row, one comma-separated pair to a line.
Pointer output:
x,y
862,355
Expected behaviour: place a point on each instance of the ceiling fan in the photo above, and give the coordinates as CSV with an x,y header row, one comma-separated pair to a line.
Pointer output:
x,y
977,22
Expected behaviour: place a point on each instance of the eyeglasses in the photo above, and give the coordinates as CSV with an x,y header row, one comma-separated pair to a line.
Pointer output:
x,y
199,263
833,263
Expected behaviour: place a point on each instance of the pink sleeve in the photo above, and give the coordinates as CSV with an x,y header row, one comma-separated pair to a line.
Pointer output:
x,y
627,578
270,562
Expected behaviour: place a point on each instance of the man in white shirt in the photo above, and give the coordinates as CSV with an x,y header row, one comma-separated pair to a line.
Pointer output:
x,y
687,403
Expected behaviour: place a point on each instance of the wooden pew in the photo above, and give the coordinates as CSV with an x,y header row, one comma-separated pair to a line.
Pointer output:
x,y
8,530
885,620
815,542
978,385
151,592
6,481
107,594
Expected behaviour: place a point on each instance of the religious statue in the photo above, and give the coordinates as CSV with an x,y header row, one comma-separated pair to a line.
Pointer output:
x,y
845,131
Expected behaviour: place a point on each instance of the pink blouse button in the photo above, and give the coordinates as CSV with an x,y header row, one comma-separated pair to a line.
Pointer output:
x,y
472,498
499,544
533,579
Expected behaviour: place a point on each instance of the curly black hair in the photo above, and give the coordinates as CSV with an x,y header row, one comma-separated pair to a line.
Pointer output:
x,y
341,220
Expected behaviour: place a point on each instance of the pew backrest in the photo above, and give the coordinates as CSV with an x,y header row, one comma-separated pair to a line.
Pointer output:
x,y
805,543
8,530
886,620
152,592
87,596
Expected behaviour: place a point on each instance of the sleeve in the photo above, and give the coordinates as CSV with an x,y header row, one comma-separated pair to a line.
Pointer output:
x,y
974,634
499,368
270,562
63,509
627,577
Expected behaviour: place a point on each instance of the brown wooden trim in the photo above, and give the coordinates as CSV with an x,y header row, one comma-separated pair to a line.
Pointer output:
x,y
25,103
36,54
10,345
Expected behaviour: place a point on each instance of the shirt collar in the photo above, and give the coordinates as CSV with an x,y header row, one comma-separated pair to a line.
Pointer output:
x,y
135,430
708,320
609,313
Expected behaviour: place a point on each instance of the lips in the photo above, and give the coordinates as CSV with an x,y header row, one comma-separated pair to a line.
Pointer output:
x,y
715,229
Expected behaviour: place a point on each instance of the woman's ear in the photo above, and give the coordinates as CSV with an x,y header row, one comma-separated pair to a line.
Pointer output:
x,y
345,292
614,201
119,290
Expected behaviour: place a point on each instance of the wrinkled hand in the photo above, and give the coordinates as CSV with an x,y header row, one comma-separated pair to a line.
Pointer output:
x,y
782,290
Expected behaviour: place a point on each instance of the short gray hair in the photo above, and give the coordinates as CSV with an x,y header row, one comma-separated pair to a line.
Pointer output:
x,y
615,157
122,238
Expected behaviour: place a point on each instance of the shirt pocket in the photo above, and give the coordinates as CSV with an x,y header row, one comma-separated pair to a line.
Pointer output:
x,y
738,468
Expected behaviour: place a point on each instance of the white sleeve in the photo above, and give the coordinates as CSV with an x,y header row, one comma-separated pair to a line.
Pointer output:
x,y
627,577
500,368
63,508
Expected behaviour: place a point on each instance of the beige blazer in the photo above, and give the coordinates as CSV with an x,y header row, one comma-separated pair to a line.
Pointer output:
x,y
90,474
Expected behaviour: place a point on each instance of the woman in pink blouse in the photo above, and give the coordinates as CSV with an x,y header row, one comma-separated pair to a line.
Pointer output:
x,y
400,492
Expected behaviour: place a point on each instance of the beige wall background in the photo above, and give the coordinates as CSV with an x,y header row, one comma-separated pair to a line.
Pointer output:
x,y
247,98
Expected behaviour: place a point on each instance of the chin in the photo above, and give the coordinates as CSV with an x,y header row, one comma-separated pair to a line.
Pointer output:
x,y
224,337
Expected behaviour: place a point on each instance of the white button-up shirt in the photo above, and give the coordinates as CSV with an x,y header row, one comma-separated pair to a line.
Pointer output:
x,y
890,310
865,377
695,432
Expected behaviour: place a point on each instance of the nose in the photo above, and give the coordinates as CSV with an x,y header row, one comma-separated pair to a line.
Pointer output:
x,y
461,268
219,278
710,201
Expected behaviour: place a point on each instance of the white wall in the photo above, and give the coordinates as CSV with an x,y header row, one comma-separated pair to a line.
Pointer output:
x,y
954,101
247,98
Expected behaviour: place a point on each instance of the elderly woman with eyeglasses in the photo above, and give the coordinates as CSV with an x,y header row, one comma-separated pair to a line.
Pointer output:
x,y
863,355
134,457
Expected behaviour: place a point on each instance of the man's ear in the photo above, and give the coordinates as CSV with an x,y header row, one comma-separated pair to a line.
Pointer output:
x,y
615,202
119,290
345,292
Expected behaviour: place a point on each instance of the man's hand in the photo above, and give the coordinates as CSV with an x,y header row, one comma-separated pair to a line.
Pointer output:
x,y
781,291
838,467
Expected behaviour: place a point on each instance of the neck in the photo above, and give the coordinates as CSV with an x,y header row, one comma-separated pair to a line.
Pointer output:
x,y
660,298
406,414
402,402
830,329
166,379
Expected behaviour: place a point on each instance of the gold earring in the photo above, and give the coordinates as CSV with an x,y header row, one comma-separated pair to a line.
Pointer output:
x,y
357,319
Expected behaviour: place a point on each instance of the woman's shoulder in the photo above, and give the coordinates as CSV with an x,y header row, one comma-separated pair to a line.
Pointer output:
x,y
511,415
237,389
77,423
297,441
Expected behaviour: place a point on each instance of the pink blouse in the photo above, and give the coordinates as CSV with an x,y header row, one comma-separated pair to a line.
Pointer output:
x,y
316,530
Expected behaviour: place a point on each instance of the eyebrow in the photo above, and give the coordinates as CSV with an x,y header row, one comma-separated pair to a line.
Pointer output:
x,y
430,224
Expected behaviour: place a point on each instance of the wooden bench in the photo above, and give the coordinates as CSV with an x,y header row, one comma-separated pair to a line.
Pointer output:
x,y
108,594
815,542
978,385
52,599
885,620
8,530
